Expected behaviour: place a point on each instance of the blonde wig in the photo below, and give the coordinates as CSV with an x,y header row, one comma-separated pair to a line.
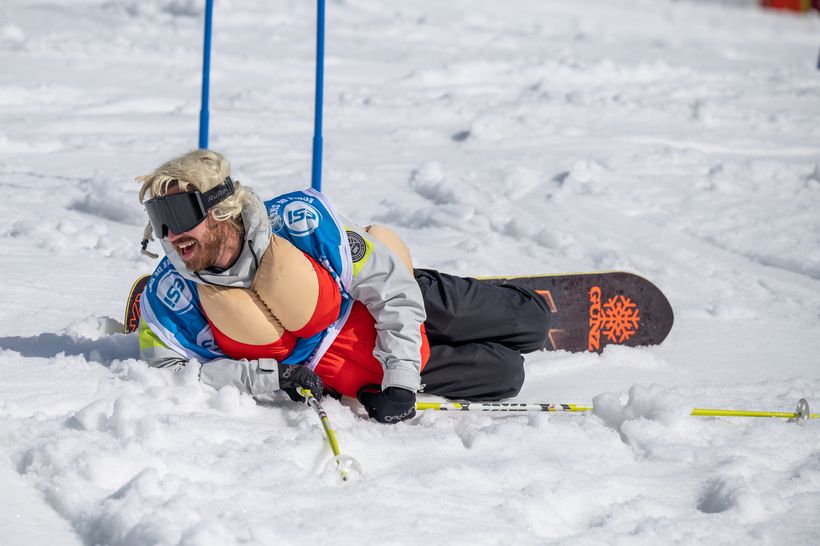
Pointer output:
x,y
198,170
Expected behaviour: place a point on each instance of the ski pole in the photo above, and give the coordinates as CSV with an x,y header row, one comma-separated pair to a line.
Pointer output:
x,y
316,168
347,467
802,411
331,435
500,406
206,76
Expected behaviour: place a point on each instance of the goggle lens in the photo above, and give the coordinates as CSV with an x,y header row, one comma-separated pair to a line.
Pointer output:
x,y
181,212
178,212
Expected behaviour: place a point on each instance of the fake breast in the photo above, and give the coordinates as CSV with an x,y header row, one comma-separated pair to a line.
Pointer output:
x,y
282,305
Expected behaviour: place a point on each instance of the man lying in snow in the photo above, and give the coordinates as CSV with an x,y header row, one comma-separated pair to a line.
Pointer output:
x,y
288,294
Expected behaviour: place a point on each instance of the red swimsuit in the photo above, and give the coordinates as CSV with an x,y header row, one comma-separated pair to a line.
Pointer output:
x,y
348,364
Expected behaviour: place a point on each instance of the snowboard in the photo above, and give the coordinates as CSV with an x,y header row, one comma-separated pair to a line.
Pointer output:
x,y
589,310
593,310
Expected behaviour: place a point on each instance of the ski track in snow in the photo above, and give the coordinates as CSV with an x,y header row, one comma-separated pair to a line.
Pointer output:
x,y
674,139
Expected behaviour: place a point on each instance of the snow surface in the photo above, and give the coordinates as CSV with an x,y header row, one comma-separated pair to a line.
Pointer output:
x,y
675,139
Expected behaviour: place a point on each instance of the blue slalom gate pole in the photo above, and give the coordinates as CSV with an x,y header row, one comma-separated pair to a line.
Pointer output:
x,y
206,76
316,171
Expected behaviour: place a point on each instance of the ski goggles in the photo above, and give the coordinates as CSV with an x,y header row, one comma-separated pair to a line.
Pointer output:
x,y
181,212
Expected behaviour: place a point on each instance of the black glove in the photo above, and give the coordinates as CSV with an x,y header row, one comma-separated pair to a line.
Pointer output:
x,y
390,405
293,377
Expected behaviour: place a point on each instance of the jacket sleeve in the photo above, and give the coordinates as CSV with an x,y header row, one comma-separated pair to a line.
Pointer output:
x,y
382,282
254,377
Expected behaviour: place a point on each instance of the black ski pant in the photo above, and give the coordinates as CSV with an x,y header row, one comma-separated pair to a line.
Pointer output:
x,y
478,331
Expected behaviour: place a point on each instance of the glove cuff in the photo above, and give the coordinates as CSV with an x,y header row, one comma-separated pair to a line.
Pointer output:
x,y
399,395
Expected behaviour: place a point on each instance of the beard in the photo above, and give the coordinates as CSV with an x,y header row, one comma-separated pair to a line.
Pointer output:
x,y
207,248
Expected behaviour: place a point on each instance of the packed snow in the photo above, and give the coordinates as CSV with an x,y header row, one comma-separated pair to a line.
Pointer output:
x,y
677,140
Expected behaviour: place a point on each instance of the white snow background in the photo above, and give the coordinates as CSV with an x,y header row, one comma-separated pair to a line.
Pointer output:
x,y
674,139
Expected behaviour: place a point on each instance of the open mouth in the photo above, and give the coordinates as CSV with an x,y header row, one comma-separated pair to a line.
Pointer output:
x,y
187,250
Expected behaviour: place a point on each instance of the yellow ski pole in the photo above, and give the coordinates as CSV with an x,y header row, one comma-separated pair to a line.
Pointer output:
x,y
801,413
347,467
500,407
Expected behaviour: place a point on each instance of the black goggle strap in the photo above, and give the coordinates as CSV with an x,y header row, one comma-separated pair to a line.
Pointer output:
x,y
217,194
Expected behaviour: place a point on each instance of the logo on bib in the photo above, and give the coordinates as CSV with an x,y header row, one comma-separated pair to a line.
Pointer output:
x,y
174,293
300,218
357,246
205,338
